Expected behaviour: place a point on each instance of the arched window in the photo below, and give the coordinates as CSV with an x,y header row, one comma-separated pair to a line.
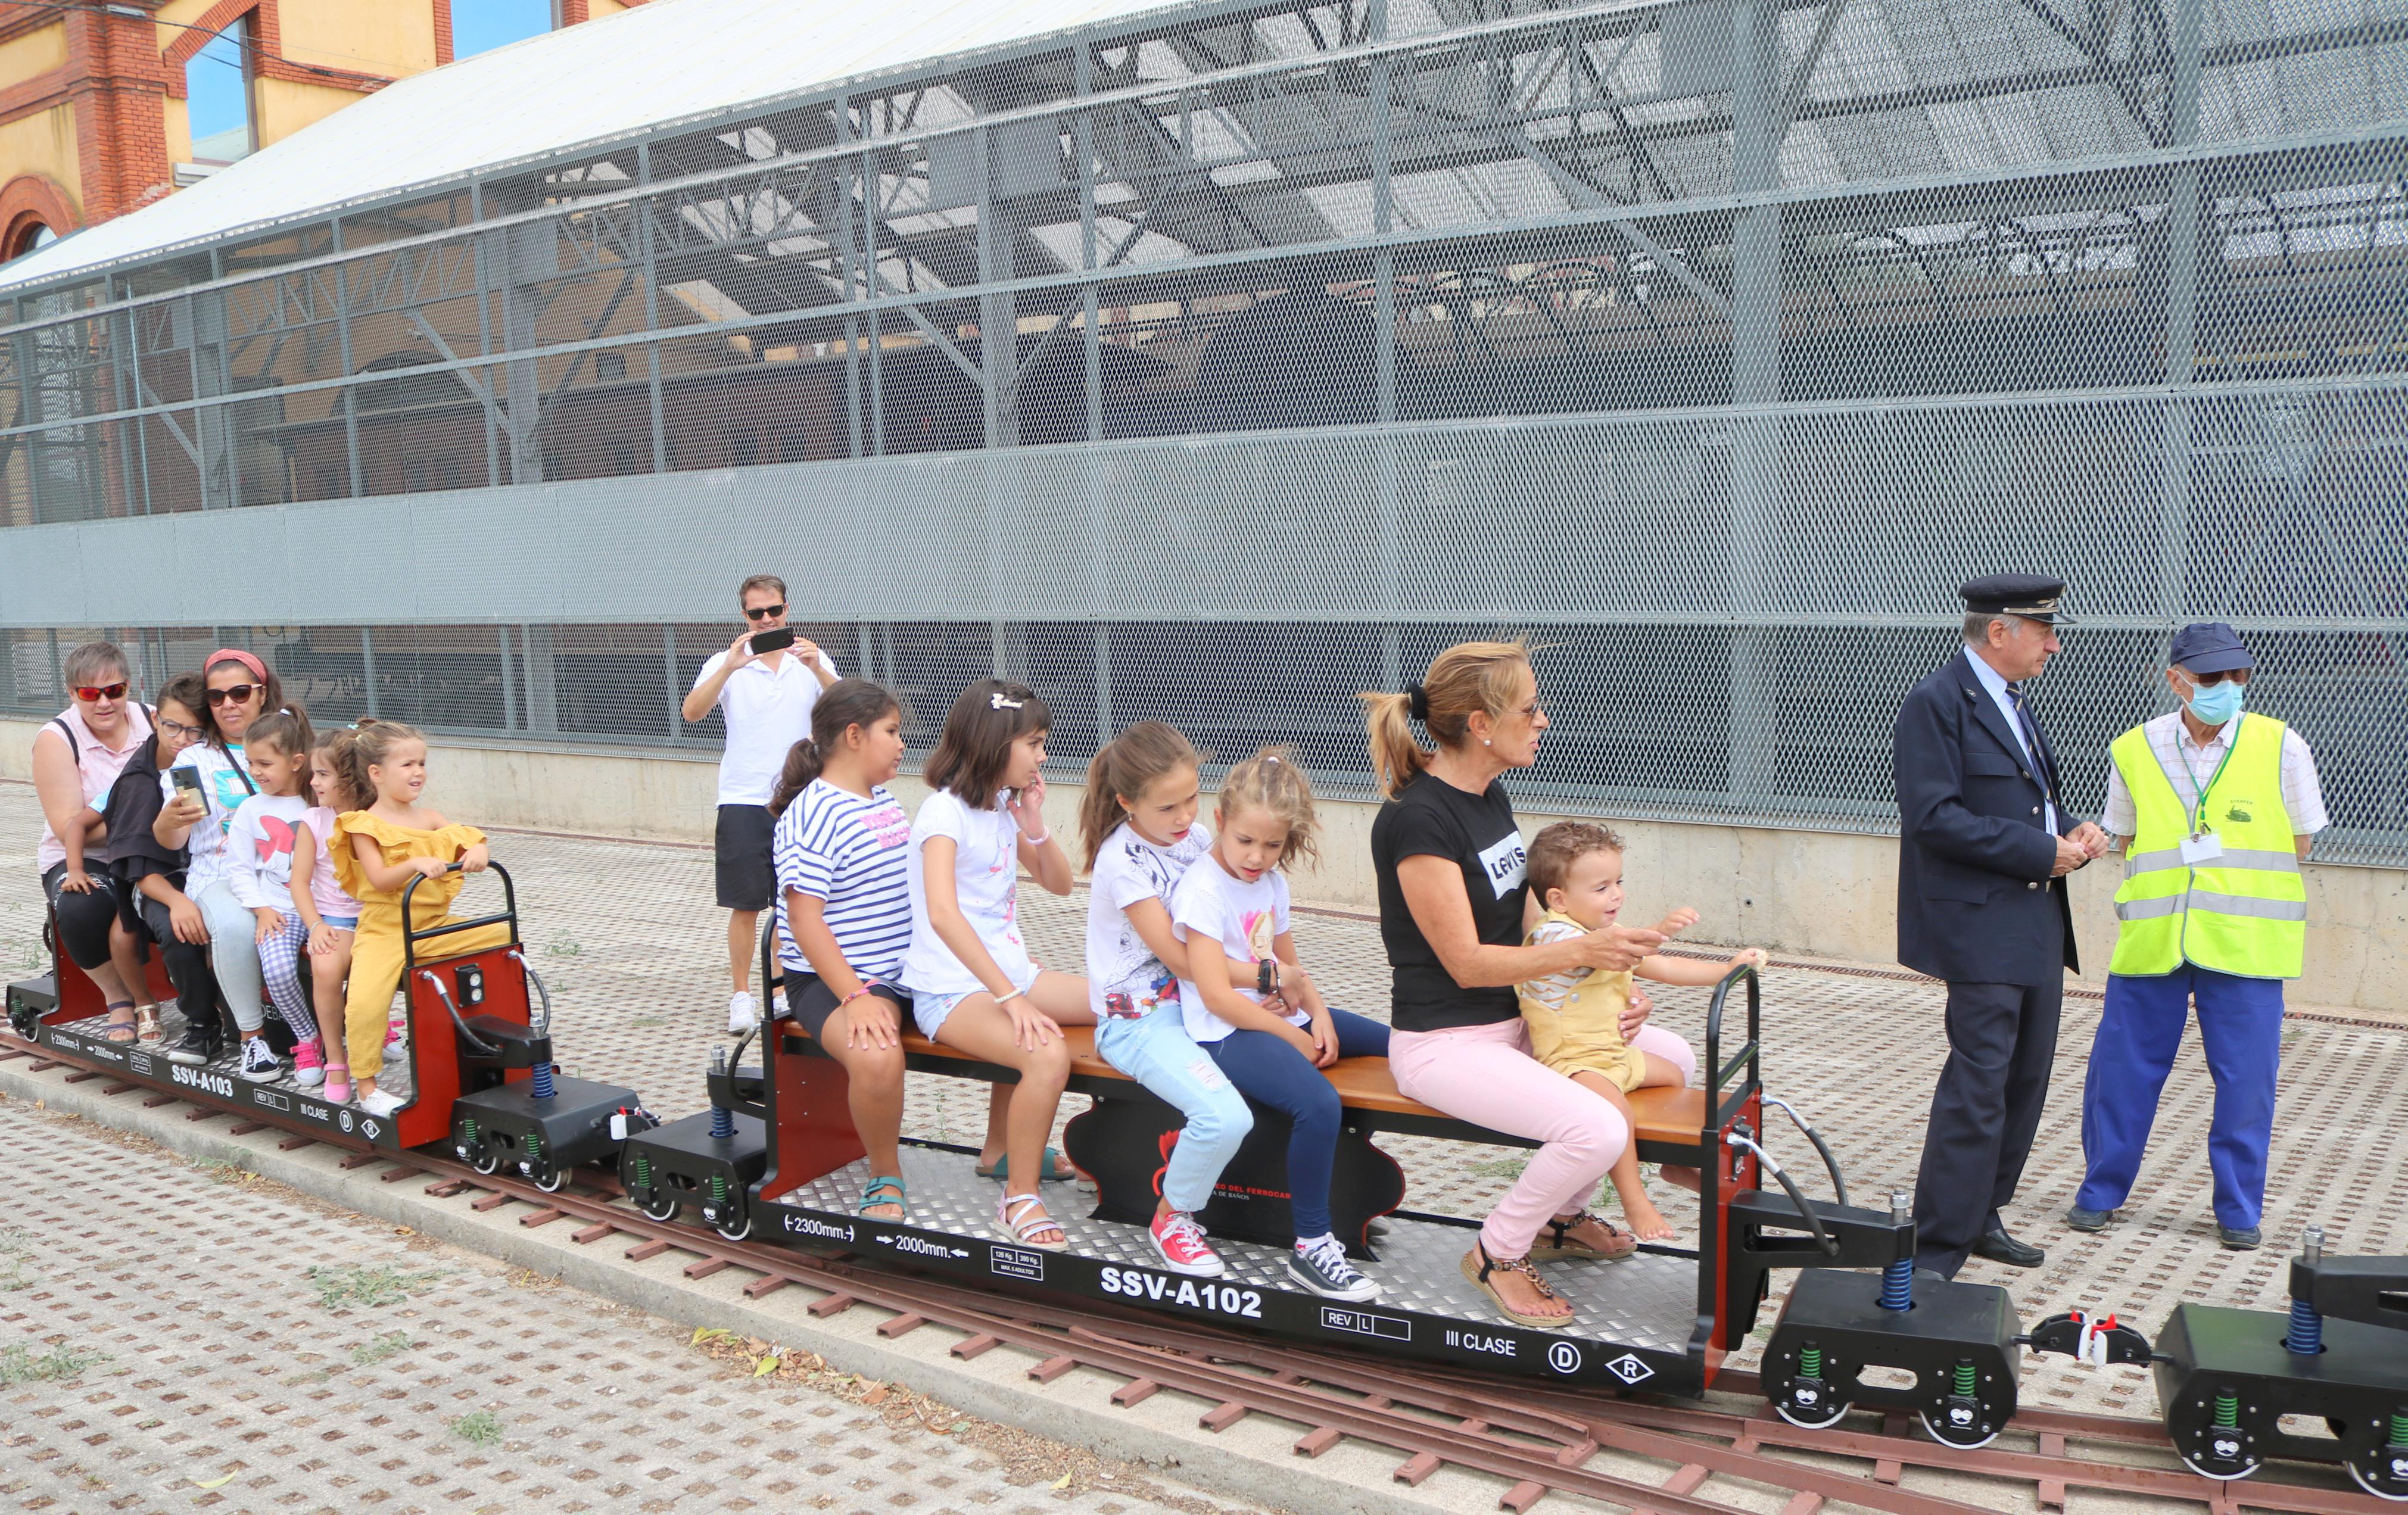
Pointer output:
x,y
27,235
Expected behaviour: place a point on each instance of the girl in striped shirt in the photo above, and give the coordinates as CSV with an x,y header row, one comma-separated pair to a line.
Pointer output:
x,y
844,911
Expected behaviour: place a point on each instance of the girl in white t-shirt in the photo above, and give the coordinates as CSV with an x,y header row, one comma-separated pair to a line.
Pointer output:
x,y
259,869
1270,1034
972,983
1139,824
329,916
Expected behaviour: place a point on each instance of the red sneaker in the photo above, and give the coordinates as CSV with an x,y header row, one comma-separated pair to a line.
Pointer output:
x,y
1180,1243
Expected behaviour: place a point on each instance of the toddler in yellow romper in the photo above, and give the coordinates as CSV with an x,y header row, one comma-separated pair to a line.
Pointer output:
x,y
1574,1019
377,852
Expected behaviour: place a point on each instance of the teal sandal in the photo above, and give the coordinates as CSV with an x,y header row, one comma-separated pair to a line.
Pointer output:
x,y
1053,1170
875,1193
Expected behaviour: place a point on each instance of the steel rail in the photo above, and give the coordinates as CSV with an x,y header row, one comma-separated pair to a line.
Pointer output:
x,y
1540,1436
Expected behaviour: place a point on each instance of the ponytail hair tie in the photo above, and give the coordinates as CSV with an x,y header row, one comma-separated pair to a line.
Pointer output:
x,y
1417,700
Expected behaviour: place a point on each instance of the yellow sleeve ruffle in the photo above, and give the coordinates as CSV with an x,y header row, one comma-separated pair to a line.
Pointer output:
x,y
397,844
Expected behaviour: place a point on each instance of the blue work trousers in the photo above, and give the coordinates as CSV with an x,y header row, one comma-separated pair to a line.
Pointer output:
x,y
2241,1030
1265,1067
1154,1049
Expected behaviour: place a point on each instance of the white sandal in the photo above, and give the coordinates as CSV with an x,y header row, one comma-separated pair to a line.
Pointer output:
x,y
1025,1230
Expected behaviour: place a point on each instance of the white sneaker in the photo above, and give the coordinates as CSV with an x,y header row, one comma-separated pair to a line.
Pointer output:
x,y
742,1014
382,1103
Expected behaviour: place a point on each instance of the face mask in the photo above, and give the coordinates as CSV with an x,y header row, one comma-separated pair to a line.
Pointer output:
x,y
2215,704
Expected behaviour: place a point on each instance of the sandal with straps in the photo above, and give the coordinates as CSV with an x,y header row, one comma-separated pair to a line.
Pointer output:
x,y
146,1024
116,1025
1562,1243
874,1195
1488,1265
1026,1229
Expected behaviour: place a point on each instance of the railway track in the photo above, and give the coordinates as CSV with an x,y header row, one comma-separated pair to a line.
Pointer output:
x,y
1543,1441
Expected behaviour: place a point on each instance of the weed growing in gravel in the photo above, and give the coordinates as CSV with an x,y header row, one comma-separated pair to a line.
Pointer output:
x,y
391,1344
16,1249
18,1365
1499,1167
565,946
371,1287
647,1023
483,1427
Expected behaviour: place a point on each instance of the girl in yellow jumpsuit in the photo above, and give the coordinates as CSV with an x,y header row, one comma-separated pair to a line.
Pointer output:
x,y
377,852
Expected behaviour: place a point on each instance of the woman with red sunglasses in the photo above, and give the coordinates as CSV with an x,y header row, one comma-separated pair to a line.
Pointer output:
x,y
240,689
77,756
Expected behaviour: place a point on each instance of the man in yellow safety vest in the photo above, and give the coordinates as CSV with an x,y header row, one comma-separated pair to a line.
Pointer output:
x,y
2213,811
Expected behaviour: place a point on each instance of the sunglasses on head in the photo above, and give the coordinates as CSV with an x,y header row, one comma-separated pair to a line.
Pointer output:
x,y
762,612
234,693
101,692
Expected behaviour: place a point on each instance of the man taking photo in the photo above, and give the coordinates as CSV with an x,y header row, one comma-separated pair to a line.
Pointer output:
x,y
766,696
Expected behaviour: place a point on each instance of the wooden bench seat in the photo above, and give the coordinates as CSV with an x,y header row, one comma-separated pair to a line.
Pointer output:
x,y
1666,1118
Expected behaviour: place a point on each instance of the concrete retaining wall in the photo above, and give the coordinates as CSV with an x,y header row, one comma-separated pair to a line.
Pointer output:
x,y
1817,893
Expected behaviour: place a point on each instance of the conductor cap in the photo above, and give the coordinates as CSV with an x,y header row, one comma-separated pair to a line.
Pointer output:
x,y
2027,596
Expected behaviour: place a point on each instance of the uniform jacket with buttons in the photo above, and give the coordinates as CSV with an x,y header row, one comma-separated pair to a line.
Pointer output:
x,y
1975,902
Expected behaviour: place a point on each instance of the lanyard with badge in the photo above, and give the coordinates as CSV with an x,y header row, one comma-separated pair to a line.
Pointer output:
x,y
2202,845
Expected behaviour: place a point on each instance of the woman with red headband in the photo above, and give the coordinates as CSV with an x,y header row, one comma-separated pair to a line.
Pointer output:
x,y
240,687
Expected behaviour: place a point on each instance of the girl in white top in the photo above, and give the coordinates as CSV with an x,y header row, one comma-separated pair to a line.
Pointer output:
x,y
1139,823
259,869
972,983
1270,1034
327,913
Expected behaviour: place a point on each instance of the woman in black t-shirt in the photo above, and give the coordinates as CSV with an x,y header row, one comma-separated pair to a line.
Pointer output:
x,y
1452,900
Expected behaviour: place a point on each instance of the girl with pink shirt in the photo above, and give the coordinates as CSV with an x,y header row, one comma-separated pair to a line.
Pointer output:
x,y
329,916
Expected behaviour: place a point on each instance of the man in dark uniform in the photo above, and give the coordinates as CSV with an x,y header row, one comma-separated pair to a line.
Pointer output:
x,y
1983,848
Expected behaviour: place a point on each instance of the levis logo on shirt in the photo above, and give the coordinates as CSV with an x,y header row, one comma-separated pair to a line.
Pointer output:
x,y
1507,864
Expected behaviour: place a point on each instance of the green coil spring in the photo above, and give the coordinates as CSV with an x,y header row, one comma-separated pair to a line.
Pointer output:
x,y
469,1129
1967,1379
2228,1410
719,1188
643,1170
1810,1362
2399,1428
535,1146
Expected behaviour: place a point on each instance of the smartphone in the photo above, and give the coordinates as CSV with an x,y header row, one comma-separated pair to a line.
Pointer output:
x,y
187,779
770,641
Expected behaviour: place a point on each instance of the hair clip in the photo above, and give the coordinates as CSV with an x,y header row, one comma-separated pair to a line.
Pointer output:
x,y
997,702
1270,757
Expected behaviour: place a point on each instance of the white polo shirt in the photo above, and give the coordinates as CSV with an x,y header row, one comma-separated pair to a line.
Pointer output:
x,y
768,713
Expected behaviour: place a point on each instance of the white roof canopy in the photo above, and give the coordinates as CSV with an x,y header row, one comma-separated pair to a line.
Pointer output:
x,y
667,62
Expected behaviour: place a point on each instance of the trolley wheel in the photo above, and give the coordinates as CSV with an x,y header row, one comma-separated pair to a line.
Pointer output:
x,y
2359,1474
1958,1439
548,1177
663,1205
1838,1413
2224,1477
486,1160
738,1229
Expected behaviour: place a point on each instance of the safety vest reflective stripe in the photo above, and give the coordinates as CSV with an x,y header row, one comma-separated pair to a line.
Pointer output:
x,y
2199,899
2232,857
2241,909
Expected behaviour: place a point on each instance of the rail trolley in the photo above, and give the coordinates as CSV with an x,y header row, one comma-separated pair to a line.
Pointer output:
x,y
773,1156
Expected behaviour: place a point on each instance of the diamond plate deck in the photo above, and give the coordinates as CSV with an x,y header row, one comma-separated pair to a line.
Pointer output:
x,y
1650,1300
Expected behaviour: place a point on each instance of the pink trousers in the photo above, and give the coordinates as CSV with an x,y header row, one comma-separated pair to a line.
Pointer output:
x,y
1485,1075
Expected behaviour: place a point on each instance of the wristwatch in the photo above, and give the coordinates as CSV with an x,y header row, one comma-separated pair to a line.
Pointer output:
x,y
1267,978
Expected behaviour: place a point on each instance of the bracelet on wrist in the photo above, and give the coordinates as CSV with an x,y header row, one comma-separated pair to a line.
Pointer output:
x,y
868,984
1038,841
1002,1000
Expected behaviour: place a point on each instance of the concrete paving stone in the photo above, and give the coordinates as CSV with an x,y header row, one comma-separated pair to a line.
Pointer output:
x,y
624,934
210,1375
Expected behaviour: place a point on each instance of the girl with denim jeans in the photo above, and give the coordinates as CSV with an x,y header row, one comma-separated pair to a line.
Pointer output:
x,y
1139,823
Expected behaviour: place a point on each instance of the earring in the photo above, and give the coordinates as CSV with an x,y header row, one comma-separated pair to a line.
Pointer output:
x,y
1486,742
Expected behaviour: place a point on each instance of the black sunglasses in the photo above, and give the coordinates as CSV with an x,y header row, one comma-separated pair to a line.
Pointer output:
x,y
762,612
235,693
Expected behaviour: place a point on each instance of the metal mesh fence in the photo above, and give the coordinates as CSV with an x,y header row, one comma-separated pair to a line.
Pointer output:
x,y
1217,370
